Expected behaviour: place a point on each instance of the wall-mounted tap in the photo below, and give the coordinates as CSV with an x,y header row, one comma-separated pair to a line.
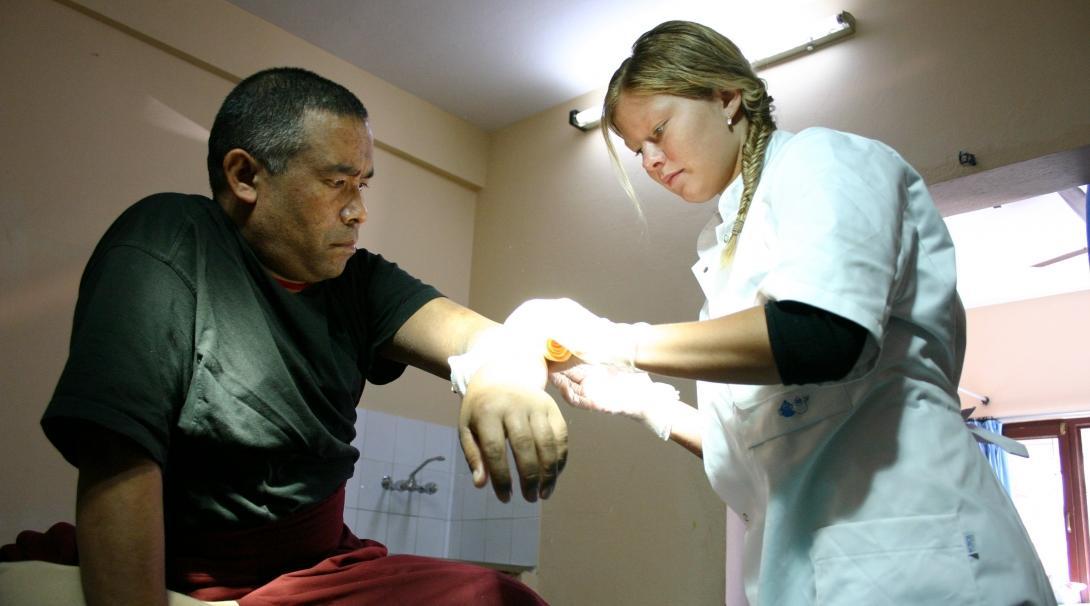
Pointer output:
x,y
410,484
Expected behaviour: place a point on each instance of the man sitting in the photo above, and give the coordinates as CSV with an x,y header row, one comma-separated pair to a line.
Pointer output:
x,y
218,352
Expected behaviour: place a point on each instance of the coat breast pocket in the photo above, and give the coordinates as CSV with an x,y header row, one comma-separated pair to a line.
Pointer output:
x,y
764,413
908,560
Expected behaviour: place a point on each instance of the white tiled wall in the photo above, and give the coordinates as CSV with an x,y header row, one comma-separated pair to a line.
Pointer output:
x,y
458,522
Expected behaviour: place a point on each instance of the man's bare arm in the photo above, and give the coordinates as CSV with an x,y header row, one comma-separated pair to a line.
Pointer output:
x,y
119,523
505,402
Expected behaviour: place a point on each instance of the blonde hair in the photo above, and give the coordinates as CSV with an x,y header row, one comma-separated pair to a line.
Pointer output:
x,y
690,60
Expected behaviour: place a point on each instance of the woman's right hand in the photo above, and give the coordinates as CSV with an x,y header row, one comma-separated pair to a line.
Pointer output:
x,y
590,337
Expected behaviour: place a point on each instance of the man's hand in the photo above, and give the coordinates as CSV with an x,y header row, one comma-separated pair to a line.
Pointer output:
x,y
503,383
496,410
502,379
506,402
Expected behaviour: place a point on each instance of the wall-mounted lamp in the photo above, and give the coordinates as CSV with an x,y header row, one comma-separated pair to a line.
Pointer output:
x,y
822,33
585,119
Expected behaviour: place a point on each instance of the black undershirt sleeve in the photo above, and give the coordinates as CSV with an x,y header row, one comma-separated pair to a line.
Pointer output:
x,y
811,345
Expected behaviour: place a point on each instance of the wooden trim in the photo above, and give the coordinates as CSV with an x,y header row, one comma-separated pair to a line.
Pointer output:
x,y
1047,428
1078,550
1068,433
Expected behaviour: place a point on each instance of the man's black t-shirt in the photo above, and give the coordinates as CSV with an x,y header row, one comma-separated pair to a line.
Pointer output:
x,y
243,392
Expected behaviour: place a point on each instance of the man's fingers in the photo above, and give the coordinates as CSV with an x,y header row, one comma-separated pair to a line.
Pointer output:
x,y
489,433
524,447
473,456
526,419
545,441
551,434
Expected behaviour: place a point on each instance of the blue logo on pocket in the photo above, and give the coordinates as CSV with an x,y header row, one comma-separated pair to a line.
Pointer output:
x,y
796,406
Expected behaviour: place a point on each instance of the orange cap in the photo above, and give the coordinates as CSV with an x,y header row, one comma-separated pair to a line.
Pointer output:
x,y
555,352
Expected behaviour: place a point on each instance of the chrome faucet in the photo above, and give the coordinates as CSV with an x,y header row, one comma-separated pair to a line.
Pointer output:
x,y
410,484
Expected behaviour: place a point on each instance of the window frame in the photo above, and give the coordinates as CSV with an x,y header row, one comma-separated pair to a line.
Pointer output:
x,y
1068,433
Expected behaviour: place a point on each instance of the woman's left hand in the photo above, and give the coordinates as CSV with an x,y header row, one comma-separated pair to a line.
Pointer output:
x,y
630,394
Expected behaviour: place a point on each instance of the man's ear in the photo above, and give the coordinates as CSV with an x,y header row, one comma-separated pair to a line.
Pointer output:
x,y
241,170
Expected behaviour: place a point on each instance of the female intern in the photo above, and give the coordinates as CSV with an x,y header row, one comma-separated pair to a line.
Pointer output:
x,y
827,353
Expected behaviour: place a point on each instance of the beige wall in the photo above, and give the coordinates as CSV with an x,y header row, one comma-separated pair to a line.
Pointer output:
x,y
1029,358
633,520
1004,79
227,40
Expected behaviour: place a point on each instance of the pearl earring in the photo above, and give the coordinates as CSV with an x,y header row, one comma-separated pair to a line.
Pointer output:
x,y
730,124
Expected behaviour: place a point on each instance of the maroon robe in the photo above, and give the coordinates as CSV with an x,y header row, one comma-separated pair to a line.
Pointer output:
x,y
309,558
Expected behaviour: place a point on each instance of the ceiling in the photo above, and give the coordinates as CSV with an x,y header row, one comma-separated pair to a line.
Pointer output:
x,y
998,247
496,62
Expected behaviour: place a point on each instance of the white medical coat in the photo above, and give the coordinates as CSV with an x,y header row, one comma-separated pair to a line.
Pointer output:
x,y
870,490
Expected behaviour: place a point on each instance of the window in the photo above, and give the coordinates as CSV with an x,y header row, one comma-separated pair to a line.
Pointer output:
x,y
1050,492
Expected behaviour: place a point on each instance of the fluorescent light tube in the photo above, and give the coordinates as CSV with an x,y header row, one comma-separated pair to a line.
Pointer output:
x,y
823,32
586,119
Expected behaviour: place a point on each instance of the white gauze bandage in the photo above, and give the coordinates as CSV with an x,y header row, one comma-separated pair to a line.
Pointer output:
x,y
497,343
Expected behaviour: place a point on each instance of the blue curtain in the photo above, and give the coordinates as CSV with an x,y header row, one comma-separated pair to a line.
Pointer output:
x,y
996,456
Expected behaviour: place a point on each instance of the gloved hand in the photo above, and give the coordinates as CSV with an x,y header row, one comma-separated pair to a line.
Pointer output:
x,y
630,394
593,339
497,343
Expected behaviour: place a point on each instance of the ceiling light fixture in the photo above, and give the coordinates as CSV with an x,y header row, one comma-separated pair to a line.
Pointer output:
x,y
821,33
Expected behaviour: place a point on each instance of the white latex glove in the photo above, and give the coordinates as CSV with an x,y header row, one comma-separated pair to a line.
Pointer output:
x,y
630,394
591,338
498,343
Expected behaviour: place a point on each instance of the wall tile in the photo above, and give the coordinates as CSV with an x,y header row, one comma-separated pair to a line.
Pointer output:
x,y
371,525
439,440
352,488
454,540
409,443
400,533
457,496
521,508
525,535
474,501
471,546
350,517
431,537
497,540
378,436
372,496
435,505
496,509
462,470
457,521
